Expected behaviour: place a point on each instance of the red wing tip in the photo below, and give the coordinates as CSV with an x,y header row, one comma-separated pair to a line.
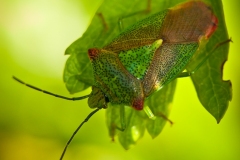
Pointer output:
x,y
211,29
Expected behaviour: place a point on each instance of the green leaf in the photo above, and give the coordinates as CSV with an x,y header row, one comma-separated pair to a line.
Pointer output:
x,y
213,92
134,127
134,130
136,121
78,74
160,103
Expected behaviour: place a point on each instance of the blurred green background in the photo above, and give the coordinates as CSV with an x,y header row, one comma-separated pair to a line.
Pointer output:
x,y
33,38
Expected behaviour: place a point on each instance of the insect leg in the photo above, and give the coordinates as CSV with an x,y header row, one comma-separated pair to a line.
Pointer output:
x,y
49,93
147,10
164,117
184,74
149,113
103,21
187,74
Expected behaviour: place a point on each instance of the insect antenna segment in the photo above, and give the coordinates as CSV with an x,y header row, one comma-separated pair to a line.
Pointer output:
x,y
63,97
49,93
75,132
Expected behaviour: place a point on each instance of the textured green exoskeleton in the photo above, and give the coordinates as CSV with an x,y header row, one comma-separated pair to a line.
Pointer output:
x,y
134,67
114,81
150,54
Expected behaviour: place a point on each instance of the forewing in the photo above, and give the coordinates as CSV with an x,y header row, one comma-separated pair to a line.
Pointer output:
x,y
141,33
169,60
188,22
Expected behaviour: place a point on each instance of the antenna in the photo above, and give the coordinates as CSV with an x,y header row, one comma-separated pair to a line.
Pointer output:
x,y
63,97
74,133
49,93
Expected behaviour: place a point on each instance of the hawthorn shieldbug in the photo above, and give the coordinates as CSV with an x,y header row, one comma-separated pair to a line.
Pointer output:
x,y
144,58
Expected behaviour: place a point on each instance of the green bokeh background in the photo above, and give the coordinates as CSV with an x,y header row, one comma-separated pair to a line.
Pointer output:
x,y
33,38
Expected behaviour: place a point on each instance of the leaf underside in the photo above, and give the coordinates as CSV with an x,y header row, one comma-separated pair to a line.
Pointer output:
x,y
213,92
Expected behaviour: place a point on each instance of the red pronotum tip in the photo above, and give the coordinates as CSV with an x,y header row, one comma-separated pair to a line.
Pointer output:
x,y
138,104
92,53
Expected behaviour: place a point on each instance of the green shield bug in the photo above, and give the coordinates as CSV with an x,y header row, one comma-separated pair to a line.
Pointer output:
x,y
150,54
144,58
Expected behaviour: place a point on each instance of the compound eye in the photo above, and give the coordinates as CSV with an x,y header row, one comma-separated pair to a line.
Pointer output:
x,y
106,99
